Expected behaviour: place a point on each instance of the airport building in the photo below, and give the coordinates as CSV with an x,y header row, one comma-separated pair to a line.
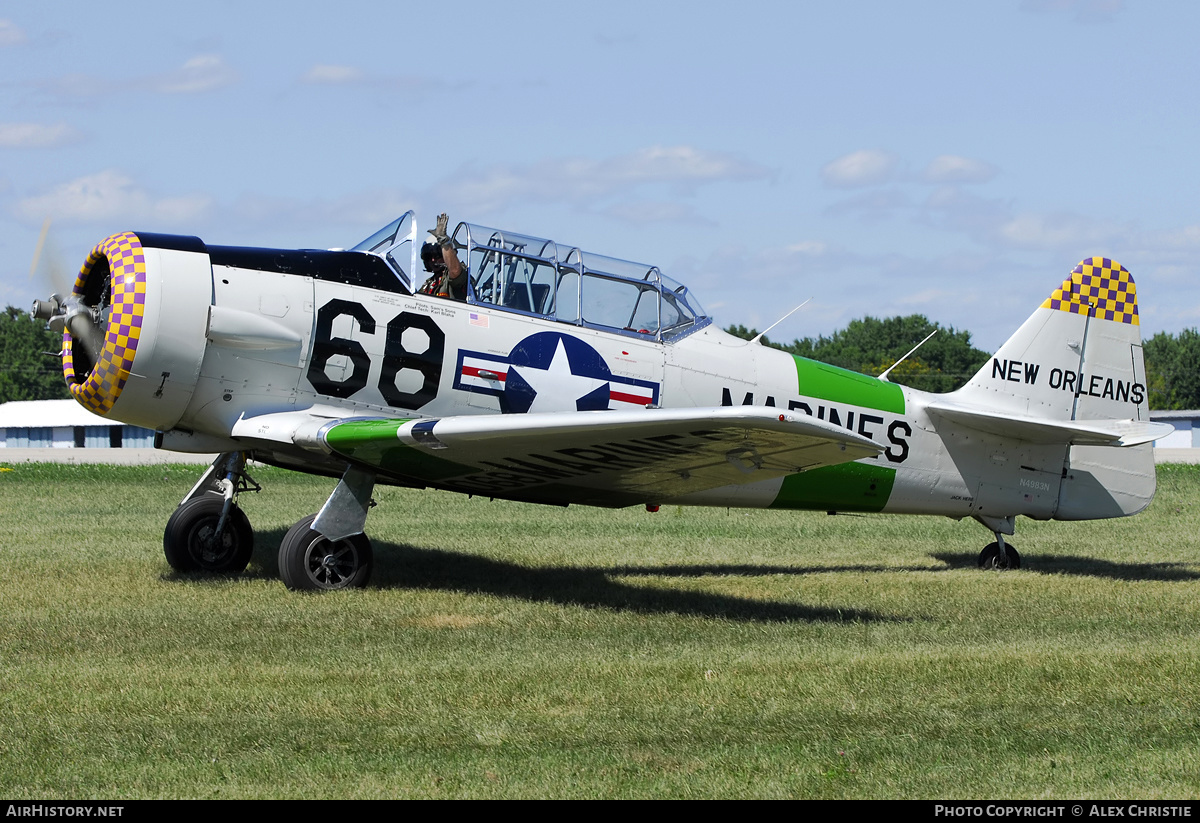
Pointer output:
x,y
64,424
1187,429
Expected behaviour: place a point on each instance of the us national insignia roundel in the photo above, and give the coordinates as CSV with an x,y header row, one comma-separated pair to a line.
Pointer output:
x,y
551,372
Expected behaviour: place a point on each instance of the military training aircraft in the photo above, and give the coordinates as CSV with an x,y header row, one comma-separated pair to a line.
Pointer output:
x,y
553,375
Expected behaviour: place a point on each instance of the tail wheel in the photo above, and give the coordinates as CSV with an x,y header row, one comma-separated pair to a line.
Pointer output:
x,y
191,542
309,561
989,558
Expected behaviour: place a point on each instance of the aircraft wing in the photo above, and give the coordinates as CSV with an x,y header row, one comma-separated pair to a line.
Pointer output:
x,y
1042,430
602,458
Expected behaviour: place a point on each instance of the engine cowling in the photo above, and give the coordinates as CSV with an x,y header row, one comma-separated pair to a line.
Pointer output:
x,y
152,293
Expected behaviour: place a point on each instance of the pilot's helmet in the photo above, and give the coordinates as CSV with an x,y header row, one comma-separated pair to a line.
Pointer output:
x,y
431,256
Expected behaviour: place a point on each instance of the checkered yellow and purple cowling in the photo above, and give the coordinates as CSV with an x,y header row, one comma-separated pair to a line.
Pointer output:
x,y
99,389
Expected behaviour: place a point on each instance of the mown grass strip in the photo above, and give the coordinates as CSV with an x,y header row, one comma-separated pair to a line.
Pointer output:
x,y
507,650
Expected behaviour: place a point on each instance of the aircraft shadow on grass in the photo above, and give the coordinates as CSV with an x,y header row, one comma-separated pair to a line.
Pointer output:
x,y
752,570
406,566
1087,567
412,567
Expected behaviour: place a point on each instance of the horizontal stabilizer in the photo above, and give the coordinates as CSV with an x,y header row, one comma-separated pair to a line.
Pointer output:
x,y
1045,430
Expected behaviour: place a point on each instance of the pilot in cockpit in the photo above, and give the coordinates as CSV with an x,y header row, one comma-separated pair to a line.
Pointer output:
x,y
448,274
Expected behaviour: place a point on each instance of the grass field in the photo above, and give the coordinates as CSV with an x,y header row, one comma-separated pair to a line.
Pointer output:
x,y
506,650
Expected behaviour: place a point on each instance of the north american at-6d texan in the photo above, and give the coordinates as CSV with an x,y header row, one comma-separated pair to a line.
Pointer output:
x,y
553,375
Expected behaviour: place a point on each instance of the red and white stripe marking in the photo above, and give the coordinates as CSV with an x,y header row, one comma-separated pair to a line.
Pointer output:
x,y
620,394
483,374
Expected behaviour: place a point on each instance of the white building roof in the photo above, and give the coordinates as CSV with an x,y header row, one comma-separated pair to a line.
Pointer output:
x,y
1173,414
51,413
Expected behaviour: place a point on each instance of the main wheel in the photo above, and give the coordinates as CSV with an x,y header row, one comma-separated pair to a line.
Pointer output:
x,y
308,561
989,558
191,543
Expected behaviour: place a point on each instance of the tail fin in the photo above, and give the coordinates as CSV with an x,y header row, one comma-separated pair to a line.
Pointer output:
x,y
1077,357
1072,370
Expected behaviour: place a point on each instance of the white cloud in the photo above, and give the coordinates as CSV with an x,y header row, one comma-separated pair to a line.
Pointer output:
x,y
10,34
1056,231
954,209
1187,237
951,168
205,72
873,205
35,135
809,248
868,167
582,182
78,85
995,224
366,210
202,73
324,73
109,196
329,74
676,164
609,187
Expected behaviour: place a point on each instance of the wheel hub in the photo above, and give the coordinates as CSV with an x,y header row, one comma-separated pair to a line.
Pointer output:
x,y
212,545
331,564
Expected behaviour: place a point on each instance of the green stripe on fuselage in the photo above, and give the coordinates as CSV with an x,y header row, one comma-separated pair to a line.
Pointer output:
x,y
375,443
847,487
825,382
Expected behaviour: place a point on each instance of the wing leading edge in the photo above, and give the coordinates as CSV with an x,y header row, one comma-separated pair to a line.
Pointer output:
x,y
604,458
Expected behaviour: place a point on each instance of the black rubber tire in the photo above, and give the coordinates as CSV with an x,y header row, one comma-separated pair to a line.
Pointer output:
x,y
310,562
188,543
989,558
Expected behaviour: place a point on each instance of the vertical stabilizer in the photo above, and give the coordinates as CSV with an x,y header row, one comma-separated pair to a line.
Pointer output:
x,y
1079,357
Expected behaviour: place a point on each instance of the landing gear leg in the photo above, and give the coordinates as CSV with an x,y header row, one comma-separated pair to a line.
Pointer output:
x,y
999,555
208,532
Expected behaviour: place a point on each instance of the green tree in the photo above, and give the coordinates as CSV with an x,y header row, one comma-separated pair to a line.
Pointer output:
x,y
871,345
1173,370
26,373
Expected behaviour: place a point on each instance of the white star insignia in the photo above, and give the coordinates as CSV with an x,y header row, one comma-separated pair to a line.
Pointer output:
x,y
557,388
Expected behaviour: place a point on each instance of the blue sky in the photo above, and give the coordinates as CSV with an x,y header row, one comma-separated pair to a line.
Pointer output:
x,y
945,158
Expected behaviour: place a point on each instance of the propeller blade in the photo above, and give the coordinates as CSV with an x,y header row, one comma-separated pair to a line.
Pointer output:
x,y
41,244
48,266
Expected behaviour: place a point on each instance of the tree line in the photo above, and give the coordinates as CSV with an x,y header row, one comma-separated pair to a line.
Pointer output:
x,y
870,345
1173,369
29,369
27,372
948,360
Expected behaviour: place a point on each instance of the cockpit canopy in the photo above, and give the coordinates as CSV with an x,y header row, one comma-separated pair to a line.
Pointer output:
x,y
534,276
